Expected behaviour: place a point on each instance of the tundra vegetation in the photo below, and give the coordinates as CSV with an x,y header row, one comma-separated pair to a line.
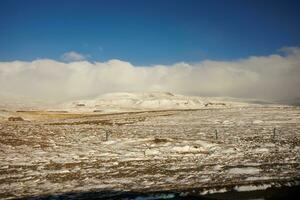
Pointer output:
x,y
197,151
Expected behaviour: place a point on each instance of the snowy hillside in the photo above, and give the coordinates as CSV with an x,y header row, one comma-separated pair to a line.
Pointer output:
x,y
115,102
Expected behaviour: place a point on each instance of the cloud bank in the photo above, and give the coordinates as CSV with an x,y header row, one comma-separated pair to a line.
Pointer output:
x,y
273,77
72,56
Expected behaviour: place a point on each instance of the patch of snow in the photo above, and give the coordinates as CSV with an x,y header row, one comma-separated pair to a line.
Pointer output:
x,y
229,151
150,152
258,122
258,178
228,122
261,150
217,167
212,191
269,145
244,188
205,144
187,148
110,142
244,170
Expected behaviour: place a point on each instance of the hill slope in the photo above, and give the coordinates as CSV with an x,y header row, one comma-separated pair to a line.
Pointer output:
x,y
116,102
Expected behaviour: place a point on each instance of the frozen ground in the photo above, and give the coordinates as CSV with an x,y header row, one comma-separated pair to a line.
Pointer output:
x,y
175,150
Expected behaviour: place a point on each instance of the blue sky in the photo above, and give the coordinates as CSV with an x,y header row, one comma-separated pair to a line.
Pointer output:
x,y
147,32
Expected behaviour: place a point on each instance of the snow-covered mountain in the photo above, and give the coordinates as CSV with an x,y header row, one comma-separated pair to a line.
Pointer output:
x,y
115,102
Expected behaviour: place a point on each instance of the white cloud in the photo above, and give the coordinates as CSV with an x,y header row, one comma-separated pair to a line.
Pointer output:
x,y
270,77
290,50
73,56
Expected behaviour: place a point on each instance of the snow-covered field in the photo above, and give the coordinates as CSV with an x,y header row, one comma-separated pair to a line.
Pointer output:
x,y
215,148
